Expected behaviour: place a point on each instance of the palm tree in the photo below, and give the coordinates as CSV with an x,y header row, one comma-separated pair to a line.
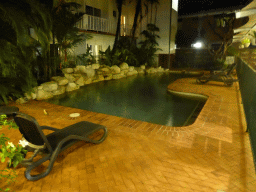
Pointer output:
x,y
17,46
135,21
119,7
64,29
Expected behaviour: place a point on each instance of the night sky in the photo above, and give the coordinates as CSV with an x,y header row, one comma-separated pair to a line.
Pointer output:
x,y
195,6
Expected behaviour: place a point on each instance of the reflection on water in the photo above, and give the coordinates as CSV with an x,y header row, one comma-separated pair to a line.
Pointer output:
x,y
142,97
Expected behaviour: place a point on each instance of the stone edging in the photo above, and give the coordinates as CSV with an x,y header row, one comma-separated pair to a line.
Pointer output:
x,y
79,76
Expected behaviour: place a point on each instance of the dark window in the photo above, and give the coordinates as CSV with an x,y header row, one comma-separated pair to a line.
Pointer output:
x,y
114,13
97,12
89,10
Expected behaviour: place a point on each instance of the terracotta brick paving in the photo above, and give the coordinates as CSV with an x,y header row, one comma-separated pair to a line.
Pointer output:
x,y
213,154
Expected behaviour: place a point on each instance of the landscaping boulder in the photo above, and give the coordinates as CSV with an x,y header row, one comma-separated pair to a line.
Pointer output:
x,y
42,94
50,86
115,69
70,77
80,81
131,68
87,80
61,89
95,66
160,69
124,66
21,100
98,78
80,68
118,76
68,70
140,70
104,70
60,80
130,73
108,77
90,72
142,67
151,70
30,95
72,87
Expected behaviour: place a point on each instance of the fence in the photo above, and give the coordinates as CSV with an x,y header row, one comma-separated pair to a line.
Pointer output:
x,y
96,24
92,23
247,82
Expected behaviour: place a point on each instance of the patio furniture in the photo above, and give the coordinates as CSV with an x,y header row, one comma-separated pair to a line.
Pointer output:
x,y
8,110
224,75
54,143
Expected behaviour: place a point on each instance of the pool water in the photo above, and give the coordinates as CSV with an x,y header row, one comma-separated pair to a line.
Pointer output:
x,y
141,97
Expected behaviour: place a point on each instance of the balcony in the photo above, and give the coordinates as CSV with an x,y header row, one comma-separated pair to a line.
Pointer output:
x,y
102,25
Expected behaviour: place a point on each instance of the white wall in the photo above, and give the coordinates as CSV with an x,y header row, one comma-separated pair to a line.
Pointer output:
x,y
98,39
163,22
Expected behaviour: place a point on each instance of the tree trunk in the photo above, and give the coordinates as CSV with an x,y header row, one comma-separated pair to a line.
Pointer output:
x,y
120,3
135,22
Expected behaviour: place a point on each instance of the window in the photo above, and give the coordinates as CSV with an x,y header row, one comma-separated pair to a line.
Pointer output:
x,y
114,13
92,11
89,10
96,12
175,4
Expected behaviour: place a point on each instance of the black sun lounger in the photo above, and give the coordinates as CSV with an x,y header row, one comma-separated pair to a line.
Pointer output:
x,y
8,110
52,144
224,75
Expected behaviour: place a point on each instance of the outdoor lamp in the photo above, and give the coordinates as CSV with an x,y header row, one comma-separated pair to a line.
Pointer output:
x,y
197,45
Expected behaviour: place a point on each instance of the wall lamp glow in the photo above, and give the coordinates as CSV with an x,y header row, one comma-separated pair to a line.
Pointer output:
x,y
197,45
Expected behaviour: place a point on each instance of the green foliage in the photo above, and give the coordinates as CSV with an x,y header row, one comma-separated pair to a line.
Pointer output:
x,y
253,34
232,51
119,56
17,46
15,154
245,40
64,29
108,58
148,47
86,58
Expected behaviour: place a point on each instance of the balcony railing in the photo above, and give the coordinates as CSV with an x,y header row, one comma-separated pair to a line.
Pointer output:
x,y
91,23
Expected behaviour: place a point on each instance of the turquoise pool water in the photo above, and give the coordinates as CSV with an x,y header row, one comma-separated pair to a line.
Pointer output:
x,y
141,97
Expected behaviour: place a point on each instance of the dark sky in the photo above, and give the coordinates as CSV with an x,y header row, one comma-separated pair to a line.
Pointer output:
x,y
195,6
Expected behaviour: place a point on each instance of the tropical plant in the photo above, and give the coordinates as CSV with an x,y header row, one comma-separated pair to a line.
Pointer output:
x,y
17,45
121,55
15,154
253,34
64,29
245,40
86,58
148,47
138,10
222,31
108,58
119,4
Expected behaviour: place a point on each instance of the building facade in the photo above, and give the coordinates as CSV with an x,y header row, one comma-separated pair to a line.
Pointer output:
x,y
101,16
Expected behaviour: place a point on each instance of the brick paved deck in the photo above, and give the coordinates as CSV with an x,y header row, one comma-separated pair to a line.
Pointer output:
x,y
211,155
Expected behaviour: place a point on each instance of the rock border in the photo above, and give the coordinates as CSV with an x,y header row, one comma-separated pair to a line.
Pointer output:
x,y
79,76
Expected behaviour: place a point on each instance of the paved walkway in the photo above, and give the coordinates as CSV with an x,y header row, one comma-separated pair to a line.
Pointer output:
x,y
211,155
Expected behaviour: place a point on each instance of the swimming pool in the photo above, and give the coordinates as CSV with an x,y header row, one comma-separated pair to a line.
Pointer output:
x,y
141,97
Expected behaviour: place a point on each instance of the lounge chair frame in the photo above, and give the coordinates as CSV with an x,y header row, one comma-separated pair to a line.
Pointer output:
x,y
220,76
54,143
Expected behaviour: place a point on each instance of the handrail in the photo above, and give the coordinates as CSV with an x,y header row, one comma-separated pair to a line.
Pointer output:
x,y
98,24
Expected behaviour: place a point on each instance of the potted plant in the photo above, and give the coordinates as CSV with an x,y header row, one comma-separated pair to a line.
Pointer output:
x,y
253,34
246,42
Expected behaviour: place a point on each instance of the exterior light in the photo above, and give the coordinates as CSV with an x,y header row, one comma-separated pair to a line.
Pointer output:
x,y
197,45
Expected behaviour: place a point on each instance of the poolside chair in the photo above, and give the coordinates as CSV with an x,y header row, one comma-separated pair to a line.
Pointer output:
x,y
224,75
8,110
52,144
